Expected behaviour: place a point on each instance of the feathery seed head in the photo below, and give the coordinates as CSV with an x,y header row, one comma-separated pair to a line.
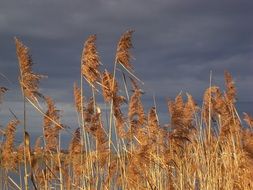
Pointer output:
x,y
29,80
123,55
109,86
78,100
90,60
230,88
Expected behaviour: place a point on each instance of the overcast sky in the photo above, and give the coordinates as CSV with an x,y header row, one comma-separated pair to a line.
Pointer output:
x,y
176,44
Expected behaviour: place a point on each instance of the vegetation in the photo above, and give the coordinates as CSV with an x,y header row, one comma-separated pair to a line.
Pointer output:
x,y
203,147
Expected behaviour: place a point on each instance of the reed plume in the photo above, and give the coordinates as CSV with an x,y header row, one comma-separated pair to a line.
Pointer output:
x,y
75,146
176,109
89,111
122,54
90,60
119,117
136,110
182,116
75,155
93,123
153,124
94,126
109,86
208,101
248,119
8,158
230,88
224,109
29,80
38,149
51,129
110,93
78,99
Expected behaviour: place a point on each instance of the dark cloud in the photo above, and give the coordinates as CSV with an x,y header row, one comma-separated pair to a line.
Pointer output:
x,y
176,42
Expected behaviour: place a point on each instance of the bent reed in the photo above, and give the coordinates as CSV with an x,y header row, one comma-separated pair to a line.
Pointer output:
x,y
204,147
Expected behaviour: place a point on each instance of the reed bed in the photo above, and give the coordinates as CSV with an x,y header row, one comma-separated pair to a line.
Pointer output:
x,y
205,147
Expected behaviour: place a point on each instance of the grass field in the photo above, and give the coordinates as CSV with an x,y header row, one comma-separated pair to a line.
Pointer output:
x,y
207,147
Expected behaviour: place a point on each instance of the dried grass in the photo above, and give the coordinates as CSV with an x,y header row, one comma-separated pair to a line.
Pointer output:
x,y
90,60
123,55
200,148
29,80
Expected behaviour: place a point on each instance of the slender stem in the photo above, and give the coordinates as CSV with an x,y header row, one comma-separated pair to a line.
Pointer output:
x,y
209,116
125,85
20,175
94,99
85,137
45,115
59,162
110,121
24,130
132,74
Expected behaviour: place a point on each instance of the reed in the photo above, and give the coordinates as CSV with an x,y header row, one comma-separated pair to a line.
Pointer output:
x,y
202,147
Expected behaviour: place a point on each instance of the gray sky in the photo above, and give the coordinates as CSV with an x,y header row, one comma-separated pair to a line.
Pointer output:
x,y
176,44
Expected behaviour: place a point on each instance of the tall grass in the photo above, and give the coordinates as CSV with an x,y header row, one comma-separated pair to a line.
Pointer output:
x,y
203,147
